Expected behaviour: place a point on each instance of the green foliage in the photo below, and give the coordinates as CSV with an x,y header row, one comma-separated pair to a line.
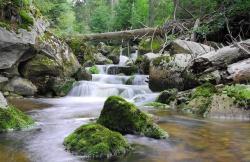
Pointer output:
x,y
123,13
94,70
99,20
241,93
26,18
139,16
60,14
12,118
130,120
96,141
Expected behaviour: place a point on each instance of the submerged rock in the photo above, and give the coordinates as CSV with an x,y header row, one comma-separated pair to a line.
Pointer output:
x,y
13,119
97,142
124,117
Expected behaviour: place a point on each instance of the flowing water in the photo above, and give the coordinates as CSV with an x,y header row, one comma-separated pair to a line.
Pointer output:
x,y
191,140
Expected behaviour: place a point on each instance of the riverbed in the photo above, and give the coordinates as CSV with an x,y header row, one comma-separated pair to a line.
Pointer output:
x,y
191,139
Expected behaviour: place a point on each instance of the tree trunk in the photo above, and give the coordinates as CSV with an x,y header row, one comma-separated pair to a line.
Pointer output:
x,y
239,72
123,35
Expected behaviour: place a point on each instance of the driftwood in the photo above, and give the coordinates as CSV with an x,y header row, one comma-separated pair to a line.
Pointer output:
x,y
123,35
219,59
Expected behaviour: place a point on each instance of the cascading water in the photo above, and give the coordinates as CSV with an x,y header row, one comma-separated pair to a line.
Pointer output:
x,y
104,85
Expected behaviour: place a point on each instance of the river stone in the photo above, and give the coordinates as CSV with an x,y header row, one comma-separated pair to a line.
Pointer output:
x,y
130,120
182,46
96,142
82,74
21,86
3,102
101,60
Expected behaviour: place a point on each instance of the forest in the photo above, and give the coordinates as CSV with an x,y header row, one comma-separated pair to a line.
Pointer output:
x,y
124,80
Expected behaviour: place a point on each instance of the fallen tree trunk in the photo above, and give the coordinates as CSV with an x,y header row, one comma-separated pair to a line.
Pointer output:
x,y
219,59
123,35
239,72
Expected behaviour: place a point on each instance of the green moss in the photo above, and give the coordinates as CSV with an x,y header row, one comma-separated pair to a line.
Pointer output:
x,y
13,119
130,119
83,51
150,45
161,60
240,92
27,20
200,100
94,70
96,141
205,90
5,24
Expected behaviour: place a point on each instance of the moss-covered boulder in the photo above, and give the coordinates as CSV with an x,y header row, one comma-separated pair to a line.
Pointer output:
x,y
200,100
124,117
61,87
96,141
82,74
167,96
13,119
41,65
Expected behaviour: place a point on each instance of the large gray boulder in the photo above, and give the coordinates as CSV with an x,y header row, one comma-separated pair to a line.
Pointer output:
x,y
167,72
182,46
56,49
3,102
15,46
21,86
